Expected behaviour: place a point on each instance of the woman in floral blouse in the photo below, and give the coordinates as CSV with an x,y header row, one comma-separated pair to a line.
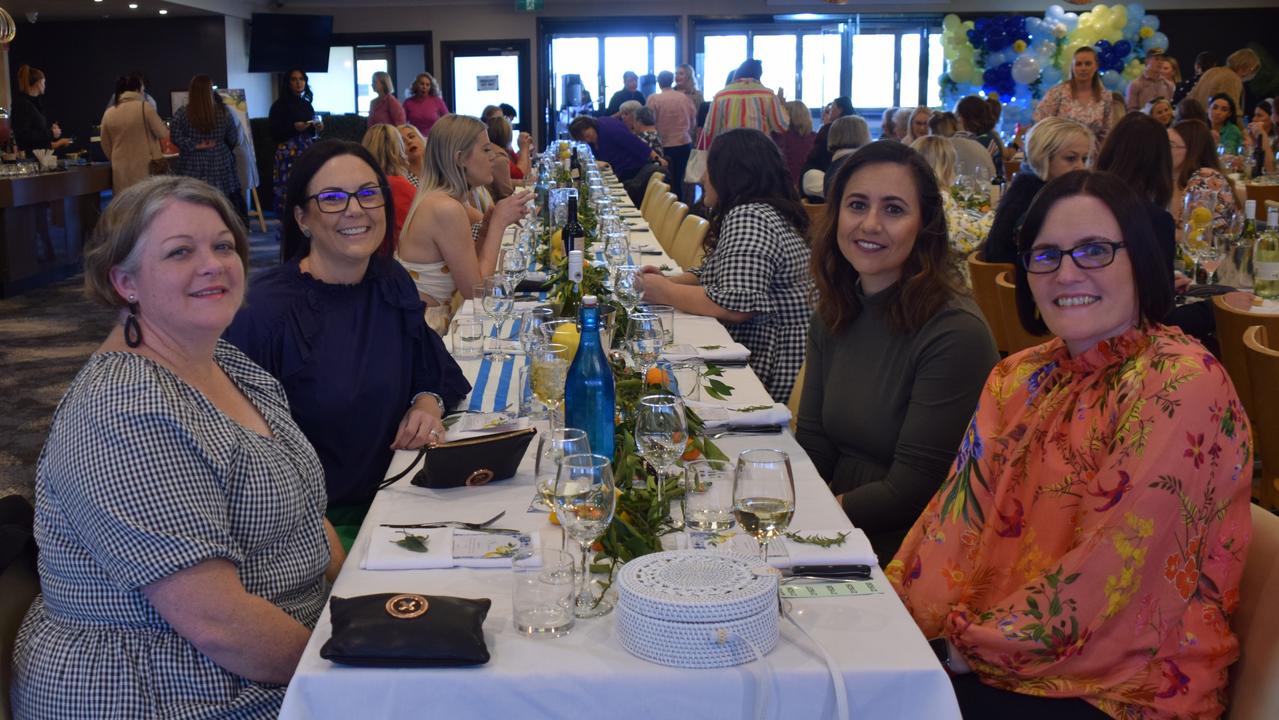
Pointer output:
x,y
1084,555
1197,169
1081,97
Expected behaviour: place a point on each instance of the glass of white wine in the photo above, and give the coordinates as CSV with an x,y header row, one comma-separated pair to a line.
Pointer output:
x,y
549,367
763,494
661,434
551,450
584,502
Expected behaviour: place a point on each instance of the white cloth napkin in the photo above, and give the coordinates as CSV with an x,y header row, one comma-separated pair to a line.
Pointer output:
x,y
385,554
727,352
1266,307
855,550
716,415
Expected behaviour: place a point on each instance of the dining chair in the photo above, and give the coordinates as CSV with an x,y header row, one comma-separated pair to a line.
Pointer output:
x,y
1262,360
816,217
19,585
1254,694
670,224
1017,337
655,189
687,249
657,210
981,275
1231,323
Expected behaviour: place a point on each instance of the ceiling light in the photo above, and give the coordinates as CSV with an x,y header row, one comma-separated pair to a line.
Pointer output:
x,y
164,12
133,6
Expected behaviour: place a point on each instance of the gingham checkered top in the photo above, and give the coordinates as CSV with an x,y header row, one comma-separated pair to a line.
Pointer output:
x,y
760,265
142,477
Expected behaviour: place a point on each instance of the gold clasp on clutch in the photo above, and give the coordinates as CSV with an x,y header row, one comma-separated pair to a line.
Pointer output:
x,y
406,606
479,477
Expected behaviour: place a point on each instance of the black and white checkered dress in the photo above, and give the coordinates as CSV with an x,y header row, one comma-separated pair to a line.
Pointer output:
x,y
760,265
142,477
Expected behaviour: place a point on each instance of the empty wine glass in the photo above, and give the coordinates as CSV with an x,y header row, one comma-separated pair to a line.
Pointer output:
x,y
531,322
499,304
645,339
661,436
763,494
617,247
626,286
549,368
584,503
512,264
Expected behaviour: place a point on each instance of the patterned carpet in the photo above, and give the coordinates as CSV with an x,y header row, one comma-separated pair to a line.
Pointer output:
x,y
45,337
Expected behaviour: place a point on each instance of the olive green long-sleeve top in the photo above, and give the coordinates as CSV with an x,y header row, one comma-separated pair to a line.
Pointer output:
x,y
882,414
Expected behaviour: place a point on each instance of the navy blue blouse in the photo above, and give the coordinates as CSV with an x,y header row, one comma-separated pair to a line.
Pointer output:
x,y
351,358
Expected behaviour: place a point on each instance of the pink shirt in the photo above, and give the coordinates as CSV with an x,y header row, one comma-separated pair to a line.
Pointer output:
x,y
675,117
386,110
423,111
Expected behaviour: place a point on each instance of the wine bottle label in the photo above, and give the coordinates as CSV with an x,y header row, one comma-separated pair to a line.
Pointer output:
x,y
1265,270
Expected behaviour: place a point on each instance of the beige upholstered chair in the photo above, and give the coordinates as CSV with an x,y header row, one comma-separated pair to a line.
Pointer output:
x,y
687,250
1254,680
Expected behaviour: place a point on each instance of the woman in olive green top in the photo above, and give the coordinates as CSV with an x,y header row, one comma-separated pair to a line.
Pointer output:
x,y
897,351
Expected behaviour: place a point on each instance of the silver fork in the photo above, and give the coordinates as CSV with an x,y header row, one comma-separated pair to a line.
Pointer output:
x,y
451,524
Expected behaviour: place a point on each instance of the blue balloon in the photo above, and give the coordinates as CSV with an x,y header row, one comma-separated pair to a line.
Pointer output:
x,y
1111,79
1136,10
1049,76
1151,22
1122,48
1158,41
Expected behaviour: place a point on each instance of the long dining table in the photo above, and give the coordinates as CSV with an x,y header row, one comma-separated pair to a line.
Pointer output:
x,y
886,666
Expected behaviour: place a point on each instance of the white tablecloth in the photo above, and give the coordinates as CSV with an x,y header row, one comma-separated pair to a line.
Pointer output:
x,y
888,669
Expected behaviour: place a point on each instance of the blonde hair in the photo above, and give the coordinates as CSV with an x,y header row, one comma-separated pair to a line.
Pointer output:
x,y
114,242
940,154
451,138
1244,59
801,119
1047,137
384,143
382,81
904,121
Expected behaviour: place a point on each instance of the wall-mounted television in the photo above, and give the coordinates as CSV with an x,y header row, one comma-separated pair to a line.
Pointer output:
x,y
278,43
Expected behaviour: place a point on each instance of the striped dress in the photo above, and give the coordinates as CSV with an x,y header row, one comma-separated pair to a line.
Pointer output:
x,y
745,103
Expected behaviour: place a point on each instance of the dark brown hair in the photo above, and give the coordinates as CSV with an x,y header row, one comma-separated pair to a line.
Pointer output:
x,y
201,104
745,166
1149,274
1201,150
1138,152
929,277
975,114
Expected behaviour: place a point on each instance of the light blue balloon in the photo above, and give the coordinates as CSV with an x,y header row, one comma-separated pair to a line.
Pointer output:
x,y
1049,76
1151,22
1111,79
1054,12
1071,21
1136,10
1158,41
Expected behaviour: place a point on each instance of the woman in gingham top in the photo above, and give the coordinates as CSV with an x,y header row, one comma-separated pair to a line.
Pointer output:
x,y
755,277
179,509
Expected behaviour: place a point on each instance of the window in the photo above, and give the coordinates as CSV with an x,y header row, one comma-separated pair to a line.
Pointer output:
x,y
664,57
623,55
480,81
777,54
872,81
909,94
936,65
722,56
576,56
364,69
820,65
334,90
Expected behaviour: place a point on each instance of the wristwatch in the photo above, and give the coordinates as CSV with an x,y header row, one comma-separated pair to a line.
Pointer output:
x,y
438,400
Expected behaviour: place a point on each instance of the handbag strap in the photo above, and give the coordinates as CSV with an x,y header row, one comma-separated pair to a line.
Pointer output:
x,y
400,475
142,104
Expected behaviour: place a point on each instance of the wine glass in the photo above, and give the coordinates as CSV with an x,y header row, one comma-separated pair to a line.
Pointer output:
x,y
645,339
551,449
512,264
531,321
617,247
763,494
661,435
626,286
498,303
584,503
549,368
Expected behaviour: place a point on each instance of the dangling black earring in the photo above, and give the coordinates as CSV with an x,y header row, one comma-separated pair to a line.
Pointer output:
x,y
132,330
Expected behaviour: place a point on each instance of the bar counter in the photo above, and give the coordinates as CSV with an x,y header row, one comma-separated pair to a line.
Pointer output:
x,y
45,220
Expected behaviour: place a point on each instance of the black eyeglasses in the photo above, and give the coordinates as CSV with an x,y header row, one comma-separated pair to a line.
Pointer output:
x,y
1090,255
336,201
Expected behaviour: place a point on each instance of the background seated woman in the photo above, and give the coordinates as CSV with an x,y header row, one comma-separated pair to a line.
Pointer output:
x,y
897,351
436,245
755,277
1197,171
965,229
386,145
179,509
1084,556
341,326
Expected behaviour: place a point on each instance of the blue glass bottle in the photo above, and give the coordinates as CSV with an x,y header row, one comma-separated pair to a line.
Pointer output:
x,y
589,400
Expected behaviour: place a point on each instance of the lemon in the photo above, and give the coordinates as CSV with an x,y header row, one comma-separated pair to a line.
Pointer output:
x,y
1200,216
557,246
568,336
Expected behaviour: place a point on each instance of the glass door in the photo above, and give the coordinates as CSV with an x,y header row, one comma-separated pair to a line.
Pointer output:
x,y
487,72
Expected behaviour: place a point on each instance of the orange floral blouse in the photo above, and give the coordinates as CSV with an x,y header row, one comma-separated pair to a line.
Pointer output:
x,y
1090,537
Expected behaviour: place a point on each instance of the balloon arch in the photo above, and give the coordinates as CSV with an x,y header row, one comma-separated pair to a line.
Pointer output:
x,y
1019,58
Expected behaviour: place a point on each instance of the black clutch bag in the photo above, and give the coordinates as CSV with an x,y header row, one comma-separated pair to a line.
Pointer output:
x,y
407,630
474,461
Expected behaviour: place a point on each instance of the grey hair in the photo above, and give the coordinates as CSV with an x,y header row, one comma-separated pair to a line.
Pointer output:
x,y
849,131
115,239
644,116
630,107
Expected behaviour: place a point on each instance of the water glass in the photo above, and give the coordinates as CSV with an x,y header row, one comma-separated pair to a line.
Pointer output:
x,y
708,495
688,378
467,334
531,322
542,599
666,314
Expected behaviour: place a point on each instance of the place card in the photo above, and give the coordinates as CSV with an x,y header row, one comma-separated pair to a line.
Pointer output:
x,y
832,589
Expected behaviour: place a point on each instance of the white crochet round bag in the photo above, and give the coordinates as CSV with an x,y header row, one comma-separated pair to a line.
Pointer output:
x,y
697,609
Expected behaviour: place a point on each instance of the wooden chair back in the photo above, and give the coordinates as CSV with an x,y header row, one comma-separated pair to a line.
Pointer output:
x,y
816,216
1254,692
1015,335
796,392
1262,359
981,275
687,248
1231,324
